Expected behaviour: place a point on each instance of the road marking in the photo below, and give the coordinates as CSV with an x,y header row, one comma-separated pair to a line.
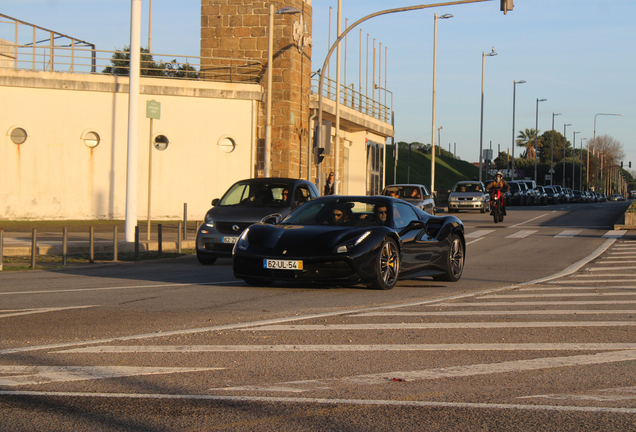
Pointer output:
x,y
478,233
450,372
500,313
322,401
19,312
33,375
595,281
522,234
543,303
529,220
180,349
567,233
114,288
612,268
615,234
623,254
595,294
575,288
423,326
605,395
474,241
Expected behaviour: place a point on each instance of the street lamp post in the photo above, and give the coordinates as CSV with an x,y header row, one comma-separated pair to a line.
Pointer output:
x,y
514,96
552,150
536,137
605,114
574,160
581,170
481,124
564,141
445,16
268,106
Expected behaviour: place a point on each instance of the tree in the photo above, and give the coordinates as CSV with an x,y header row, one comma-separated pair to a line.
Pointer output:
x,y
611,149
545,144
120,63
527,139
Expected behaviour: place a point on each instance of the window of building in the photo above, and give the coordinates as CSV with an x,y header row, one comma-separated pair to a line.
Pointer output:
x,y
18,135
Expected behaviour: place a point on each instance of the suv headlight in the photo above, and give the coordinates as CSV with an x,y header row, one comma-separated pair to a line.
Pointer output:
x,y
209,221
346,247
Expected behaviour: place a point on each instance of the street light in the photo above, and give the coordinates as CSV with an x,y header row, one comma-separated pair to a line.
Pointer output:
x,y
552,150
594,138
445,16
481,127
288,10
574,159
536,137
514,96
581,170
564,141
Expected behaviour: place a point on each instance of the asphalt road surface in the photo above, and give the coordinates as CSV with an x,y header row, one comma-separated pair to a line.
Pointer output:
x,y
539,334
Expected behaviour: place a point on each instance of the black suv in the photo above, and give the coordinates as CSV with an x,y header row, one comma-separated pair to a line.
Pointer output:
x,y
245,203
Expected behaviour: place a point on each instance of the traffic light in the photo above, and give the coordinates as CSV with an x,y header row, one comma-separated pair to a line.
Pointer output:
x,y
506,5
621,164
630,164
319,155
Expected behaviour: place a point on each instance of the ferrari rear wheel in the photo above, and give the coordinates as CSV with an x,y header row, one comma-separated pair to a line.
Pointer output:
x,y
387,266
454,261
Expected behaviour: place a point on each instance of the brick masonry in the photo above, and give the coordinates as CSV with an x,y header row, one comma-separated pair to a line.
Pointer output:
x,y
238,29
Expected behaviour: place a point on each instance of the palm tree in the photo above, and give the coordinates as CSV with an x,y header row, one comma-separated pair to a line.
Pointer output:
x,y
527,139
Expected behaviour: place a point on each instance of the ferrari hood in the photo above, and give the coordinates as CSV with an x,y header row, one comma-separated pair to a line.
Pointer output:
x,y
295,240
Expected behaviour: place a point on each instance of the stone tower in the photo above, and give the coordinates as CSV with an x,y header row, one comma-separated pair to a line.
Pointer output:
x,y
238,30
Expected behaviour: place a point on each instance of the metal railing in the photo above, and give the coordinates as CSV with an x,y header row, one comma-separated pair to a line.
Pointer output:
x,y
353,99
92,61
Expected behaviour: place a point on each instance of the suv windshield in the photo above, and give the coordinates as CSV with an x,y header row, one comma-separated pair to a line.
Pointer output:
x,y
248,194
467,187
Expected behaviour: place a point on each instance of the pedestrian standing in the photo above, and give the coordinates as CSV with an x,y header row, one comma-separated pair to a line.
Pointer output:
x,y
330,187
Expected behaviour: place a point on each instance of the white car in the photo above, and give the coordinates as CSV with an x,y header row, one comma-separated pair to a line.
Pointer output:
x,y
468,195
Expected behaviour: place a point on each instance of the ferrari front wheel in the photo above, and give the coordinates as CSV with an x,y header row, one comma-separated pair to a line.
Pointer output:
x,y
387,266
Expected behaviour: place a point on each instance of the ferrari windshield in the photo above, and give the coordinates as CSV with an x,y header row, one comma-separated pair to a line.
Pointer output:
x,y
340,212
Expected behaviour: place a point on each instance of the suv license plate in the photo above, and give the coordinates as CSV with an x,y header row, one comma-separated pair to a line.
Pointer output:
x,y
282,264
230,239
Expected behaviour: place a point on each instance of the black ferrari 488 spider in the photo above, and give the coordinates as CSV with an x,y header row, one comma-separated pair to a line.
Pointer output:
x,y
348,240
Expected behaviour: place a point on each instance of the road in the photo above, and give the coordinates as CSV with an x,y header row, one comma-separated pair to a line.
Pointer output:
x,y
537,335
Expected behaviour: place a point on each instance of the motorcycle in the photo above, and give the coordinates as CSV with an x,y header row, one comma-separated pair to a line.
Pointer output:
x,y
496,205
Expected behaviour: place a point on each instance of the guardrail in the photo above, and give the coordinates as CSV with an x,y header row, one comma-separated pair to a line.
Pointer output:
x,y
73,59
353,99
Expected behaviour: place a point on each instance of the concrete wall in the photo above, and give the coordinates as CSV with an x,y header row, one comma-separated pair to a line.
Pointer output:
x,y
54,175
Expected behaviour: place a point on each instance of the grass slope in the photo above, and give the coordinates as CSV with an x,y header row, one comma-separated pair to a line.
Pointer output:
x,y
448,170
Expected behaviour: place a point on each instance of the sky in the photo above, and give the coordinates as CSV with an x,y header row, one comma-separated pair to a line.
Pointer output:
x,y
580,55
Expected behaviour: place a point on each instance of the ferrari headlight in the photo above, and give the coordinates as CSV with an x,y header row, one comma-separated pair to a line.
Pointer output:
x,y
242,243
346,247
209,221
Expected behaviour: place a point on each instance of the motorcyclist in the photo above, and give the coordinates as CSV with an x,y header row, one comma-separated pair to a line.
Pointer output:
x,y
499,184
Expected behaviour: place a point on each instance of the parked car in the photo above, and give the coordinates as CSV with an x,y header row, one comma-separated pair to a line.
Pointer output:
x,y
517,194
569,194
617,197
578,196
554,197
562,195
247,202
415,194
349,240
532,194
542,195
468,195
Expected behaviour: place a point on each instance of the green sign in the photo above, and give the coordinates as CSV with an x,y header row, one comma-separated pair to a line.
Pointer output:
x,y
153,109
